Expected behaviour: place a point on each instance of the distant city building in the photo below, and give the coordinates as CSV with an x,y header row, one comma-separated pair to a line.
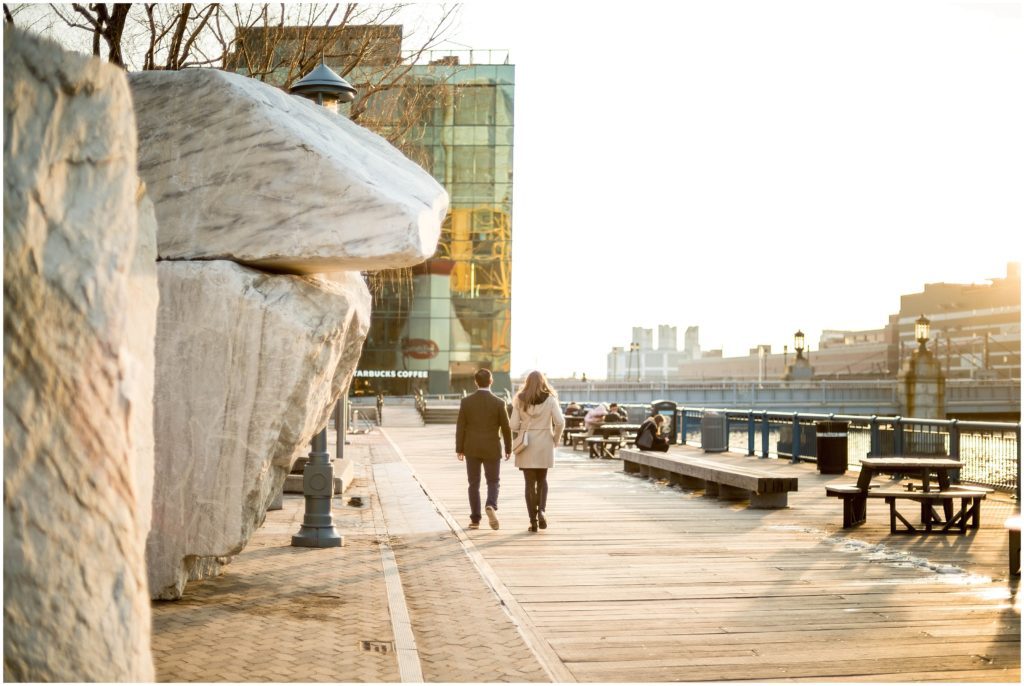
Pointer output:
x,y
644,337
975,327
648,362
691,343
975,333
666,338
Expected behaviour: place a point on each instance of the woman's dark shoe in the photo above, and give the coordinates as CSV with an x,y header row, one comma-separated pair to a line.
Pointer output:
x,y
533,527
542,520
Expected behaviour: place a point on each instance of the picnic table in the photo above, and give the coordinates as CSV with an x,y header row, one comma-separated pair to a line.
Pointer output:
x,y
611,429
855,497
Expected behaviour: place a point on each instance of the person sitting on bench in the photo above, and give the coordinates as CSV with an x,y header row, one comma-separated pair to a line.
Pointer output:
x,y
595,418
649,437
614,414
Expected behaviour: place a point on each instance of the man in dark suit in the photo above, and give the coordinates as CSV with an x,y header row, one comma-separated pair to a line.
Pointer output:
x,y
481,417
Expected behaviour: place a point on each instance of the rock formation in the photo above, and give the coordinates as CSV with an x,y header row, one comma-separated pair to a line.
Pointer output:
x,y
79,299
245,172
249,367
250,363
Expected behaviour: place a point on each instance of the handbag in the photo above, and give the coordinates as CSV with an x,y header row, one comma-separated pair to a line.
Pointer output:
x,y
645,440
522,439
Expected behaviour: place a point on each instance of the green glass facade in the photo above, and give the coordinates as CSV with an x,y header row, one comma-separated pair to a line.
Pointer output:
x,y
431,329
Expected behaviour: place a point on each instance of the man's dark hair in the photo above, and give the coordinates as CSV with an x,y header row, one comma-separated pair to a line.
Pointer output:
x,y
482,378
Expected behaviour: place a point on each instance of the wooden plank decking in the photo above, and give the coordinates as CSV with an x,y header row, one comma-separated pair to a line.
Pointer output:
x,y
636,581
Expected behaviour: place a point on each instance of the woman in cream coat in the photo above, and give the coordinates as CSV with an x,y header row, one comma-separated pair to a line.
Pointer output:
x,y
535,411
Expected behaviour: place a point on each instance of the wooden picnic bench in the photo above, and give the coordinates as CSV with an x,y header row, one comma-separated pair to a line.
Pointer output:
x,y
577,438
969,515
726,481
603,446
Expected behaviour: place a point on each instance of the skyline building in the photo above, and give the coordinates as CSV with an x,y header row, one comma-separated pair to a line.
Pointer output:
x,y
975,334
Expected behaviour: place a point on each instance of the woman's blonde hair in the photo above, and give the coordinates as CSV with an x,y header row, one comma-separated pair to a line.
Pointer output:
x,y
533,390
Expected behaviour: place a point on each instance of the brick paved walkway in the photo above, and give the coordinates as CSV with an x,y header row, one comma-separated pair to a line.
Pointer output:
x,y
286,614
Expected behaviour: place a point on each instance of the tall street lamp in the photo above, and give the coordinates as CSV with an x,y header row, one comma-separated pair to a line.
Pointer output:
x,y
326,88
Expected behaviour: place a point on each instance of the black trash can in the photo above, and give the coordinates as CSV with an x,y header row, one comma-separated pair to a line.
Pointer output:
x,y
831,446
668,409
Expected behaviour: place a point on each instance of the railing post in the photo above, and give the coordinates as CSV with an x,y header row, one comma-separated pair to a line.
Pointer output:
x,y
795,450
764,434
954,448
875,449
750,433
682,426
954,439
897,436
1018,467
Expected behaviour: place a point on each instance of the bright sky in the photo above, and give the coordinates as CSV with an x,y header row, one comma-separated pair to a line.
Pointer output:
x,y
752,167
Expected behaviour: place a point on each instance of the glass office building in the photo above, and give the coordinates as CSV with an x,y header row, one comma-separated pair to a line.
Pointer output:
x,y
432,328
435,324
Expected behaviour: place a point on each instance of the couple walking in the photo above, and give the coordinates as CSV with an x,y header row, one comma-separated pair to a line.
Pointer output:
x,y
484,423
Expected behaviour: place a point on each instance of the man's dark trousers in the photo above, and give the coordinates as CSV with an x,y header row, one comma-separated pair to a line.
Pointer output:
x,y
492,473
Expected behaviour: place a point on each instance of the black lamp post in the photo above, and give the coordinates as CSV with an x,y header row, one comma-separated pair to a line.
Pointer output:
x,y
327,89
798,344
922,331
324,87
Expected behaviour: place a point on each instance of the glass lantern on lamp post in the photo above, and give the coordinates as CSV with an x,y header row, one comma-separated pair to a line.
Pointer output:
x,y
798,344
922,331
323,86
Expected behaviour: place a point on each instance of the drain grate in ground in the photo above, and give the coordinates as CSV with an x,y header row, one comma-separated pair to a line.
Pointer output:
x,y
382,647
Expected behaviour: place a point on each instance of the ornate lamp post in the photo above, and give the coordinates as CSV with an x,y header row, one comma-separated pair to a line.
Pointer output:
x,y
922,331
327,89
798,344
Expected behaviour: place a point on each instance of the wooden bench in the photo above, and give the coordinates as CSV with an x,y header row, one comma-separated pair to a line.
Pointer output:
x,y
603,446
577,438
726,481
969,514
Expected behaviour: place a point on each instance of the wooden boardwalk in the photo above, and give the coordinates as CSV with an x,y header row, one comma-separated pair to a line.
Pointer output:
x,y
637,581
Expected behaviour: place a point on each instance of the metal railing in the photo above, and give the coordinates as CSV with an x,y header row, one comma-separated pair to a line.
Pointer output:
x,y
990,451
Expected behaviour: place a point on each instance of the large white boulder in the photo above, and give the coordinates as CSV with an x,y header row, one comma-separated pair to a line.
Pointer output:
x,y
79,296
243,171
249,366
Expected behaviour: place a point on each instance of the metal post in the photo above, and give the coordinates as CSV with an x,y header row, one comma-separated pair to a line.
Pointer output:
x,y
954,439
317,530
339,426
954,448
764,434
875,449
750,433
796,438
682,425
897,436
1018,467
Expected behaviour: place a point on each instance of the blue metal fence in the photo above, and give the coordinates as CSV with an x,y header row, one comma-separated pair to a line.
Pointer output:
x,y
990,451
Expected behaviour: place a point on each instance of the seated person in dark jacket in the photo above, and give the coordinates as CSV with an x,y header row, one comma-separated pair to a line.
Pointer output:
x,y
649,437
572,409
614,414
